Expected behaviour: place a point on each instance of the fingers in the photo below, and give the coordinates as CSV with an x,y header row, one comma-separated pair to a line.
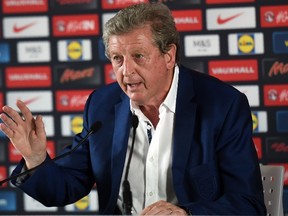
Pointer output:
x,y
163,208
27,115
40,130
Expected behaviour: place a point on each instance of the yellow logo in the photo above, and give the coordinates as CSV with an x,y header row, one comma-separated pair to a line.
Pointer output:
x,y
246,43
255,121
74,50
82,204
77,124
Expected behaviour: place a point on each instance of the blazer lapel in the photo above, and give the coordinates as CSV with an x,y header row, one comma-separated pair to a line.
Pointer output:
x,y
183,129
120,143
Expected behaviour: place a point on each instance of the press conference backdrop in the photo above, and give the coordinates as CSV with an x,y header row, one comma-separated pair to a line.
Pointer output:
x,y
52,57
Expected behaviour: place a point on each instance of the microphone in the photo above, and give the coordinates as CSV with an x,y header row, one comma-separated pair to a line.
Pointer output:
x,y
94,128
127,195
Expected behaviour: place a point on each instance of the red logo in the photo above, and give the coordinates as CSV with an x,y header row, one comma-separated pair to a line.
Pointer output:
x,y
188,20
276,95
24,6
76,25
258,146
278,68
222,21
227,1
117,4
234,70
274,16
18,29
3,175
73,100
51,149
27,77
109,74
14,154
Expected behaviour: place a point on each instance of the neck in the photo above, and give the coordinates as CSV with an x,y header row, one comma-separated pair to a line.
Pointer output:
x,y
152,113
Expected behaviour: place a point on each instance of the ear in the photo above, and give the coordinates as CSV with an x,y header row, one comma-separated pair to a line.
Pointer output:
x,y
170,56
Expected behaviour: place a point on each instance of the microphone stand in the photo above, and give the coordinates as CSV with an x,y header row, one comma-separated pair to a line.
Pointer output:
x,y
127,195
95,127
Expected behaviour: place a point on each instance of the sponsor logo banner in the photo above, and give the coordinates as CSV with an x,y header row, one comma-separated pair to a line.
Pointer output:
x,y
230,18
77,75
177,3
33,51
37,101
277,148
75,25
258,146
64,5
4,53
274,16
251,92
118,4
282,121
275,95
24,6
246,44
14,154
109,74
71,125
32,205
27,77
227,1
73,100
106,17
74,50
49,125
259,119
188,20
275,70
26,27
201,45
87,203
234,70
8,201
280,42
3,175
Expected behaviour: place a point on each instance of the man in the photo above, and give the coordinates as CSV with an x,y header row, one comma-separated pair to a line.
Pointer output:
x,y
192,152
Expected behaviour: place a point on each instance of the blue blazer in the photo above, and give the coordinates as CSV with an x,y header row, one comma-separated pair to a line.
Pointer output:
x,y
215,166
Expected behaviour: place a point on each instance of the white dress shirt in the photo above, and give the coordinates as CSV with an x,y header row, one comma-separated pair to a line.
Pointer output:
x,y
150,174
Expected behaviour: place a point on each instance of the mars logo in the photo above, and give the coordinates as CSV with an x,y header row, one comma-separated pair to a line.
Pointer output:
x,y
246,43
278,68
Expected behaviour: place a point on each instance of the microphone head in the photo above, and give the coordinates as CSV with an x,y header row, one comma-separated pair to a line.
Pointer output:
x,y
134,121
96,126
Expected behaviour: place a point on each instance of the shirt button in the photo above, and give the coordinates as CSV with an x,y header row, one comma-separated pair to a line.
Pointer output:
x,y
151,159
151,193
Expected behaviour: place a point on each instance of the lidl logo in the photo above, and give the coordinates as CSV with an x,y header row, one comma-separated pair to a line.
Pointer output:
x,y
246,43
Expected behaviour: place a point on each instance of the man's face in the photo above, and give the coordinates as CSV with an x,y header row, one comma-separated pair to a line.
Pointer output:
x,y
142,71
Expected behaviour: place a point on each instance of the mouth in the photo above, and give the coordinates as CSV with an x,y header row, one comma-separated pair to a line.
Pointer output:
x,y
133,86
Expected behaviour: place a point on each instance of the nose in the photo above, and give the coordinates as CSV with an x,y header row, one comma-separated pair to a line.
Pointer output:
x,y
128,67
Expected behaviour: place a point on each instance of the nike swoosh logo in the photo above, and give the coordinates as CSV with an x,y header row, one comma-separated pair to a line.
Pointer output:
x,y
221,21
18,29
29,101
